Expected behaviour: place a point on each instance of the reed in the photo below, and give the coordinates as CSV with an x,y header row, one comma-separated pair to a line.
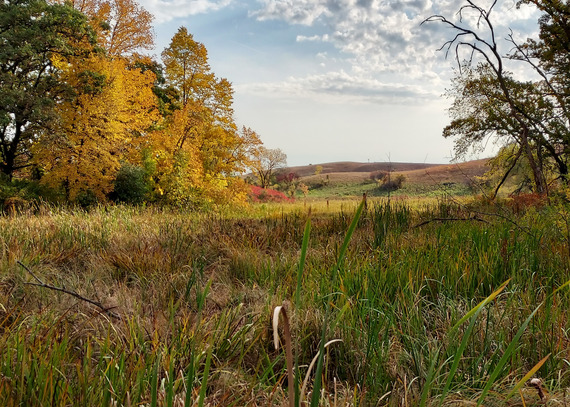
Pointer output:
x,y
419,304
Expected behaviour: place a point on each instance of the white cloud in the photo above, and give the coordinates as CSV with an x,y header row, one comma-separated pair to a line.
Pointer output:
x,y
340,87
387,37
166,10
313,38
383,35
304,12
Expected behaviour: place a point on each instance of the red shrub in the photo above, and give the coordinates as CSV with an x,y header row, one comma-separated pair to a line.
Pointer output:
x,y
258,194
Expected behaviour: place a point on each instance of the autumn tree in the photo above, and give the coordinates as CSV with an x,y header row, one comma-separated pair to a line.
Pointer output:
x,y
187,68
123,27
34,35
266,161
166,94
99,128
490,101
199,144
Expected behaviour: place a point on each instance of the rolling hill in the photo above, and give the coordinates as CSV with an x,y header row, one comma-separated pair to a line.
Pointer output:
x,y
415,173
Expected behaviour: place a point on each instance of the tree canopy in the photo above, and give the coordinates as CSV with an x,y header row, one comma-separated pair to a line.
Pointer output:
x,y
266,162
37,40
82,109
490,101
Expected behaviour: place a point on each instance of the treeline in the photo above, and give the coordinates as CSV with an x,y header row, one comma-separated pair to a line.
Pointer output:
x,y
86,117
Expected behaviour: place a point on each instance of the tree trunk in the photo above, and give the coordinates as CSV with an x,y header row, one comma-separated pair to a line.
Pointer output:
x,y
539,180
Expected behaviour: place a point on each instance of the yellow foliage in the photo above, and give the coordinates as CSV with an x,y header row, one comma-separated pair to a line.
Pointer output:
x,y
123,27
115,106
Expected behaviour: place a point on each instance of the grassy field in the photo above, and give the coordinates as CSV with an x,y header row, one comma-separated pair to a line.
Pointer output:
x,y
436,303
348,180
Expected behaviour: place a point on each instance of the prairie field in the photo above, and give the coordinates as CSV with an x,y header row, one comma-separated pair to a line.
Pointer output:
x,y
434,302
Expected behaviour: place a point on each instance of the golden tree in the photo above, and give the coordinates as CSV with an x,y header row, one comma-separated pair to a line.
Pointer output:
x,y
201,137
123,26
98,129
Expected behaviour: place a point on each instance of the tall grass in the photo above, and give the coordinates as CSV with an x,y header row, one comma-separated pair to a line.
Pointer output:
x,y
194,293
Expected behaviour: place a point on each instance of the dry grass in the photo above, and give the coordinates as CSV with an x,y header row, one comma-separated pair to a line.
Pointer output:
x,y
420,174
193,289
460,173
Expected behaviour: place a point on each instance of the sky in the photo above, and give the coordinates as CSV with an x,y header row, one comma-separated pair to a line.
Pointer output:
x,y
335,80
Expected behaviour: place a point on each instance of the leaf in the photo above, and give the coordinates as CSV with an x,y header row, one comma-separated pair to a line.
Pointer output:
x,y
527,376
510,349
304,248
480,305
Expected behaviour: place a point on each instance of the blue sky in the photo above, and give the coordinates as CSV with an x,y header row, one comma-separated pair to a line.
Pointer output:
x,y
333,80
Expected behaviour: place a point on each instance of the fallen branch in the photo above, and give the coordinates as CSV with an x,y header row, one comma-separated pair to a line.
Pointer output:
x,y
475,218
40,283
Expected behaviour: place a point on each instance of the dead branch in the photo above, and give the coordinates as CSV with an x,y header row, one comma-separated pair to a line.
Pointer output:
x,y
474,217
505,176
40,283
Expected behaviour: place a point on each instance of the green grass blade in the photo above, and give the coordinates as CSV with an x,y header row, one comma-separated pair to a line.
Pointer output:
x,y
528,376
190,379
205,376
304,248
349,234
429,379
481,305
170,384
510,349
154,382
459,353
473,313
317,384
562,286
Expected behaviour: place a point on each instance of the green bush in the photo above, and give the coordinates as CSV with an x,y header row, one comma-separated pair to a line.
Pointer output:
x,y
28,190
86,199
131,185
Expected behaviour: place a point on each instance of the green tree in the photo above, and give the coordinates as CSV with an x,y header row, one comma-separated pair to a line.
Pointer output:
x,y
130,184
36,37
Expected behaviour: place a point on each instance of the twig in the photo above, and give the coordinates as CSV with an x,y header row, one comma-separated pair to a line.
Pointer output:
x,y
449,220
40,283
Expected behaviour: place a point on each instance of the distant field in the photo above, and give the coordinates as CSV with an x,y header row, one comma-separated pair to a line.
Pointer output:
x,y
350,166
346,179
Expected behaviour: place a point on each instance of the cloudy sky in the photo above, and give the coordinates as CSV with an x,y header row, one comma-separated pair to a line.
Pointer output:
x,y
334,80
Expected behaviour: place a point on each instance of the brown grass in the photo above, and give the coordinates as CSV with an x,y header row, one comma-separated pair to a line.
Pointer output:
x,y
455,173
419,174
349,166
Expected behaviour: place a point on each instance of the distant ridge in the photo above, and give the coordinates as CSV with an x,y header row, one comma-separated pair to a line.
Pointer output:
x,y
350,166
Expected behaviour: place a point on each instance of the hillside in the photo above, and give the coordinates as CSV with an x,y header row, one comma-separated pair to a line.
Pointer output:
x,y
415,173
351,167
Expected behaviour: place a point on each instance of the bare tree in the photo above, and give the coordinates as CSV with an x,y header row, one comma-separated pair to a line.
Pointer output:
x,y
265,162
481,44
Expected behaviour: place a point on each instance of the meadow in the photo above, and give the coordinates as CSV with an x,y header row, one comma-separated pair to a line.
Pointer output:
x,y
436,302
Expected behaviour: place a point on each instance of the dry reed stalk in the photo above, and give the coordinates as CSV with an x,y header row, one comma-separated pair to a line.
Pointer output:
x,y
305,382
282,309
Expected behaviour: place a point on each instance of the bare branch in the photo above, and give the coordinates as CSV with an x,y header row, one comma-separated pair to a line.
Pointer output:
x,y
40,283
474,217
